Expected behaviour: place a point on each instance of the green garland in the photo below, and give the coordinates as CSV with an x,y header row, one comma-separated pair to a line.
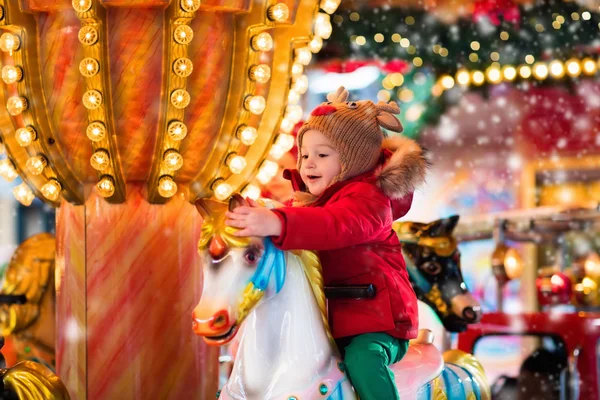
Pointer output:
x,y
534,35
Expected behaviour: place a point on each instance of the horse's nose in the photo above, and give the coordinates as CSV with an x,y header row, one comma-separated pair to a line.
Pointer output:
x,y
472,314
219,320
211,325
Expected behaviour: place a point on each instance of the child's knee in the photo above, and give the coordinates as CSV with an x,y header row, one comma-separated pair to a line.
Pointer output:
x,y
365,357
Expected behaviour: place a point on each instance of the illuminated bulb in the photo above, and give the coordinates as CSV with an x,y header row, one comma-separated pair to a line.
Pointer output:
x,y
509,73
279,12
286,125
23,194
255,104
236,163
222,190
251,191
556,69
89,67
260,73
51,190
262,42
167,186
276,151
477,77
106,186
323,25
96,131
573,67
589,66
11,74
301,84
247,135
172,159
303,55
447,82
463,77
100,160
180,98
494,75
81,5
9,42
297,70
293,113
36,164
267,171
329,6
525,71
16,105
7,170
183,67
177,130
591,265
285,141
190,5
183,34
315,44
25,136
540,71
293,97
92,99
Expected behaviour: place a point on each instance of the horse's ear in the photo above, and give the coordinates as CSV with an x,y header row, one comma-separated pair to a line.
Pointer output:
x,y
236,201
442,227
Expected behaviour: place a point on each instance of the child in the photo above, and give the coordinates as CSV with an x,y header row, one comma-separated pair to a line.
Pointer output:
x,y
349,191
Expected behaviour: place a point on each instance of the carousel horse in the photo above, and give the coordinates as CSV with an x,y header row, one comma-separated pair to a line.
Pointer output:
x,y
433,264
274,303
27,302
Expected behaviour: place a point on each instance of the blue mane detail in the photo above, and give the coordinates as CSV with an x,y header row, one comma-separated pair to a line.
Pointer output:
x,y
271,265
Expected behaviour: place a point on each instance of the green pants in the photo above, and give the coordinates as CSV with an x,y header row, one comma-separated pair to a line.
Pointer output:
x,y
367,358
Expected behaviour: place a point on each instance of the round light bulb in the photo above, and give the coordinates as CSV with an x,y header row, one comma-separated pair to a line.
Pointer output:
x,y
7,170
477,77
106,186
262,42
323,25
183,34
301,84
251,191
316,44
222,190
167,187
100,160
190,5
303,55
540,71
23,194
447,82
279,12
9,42
556,69
96,131
329,6
180,98
285,141
247,135
236,163
36,164
463,77
11,74
297,69
172,159
510,73
255,104
276,151
25,136
16,105
286,125
589,66
525,71
183,67
267,171
293,97
81,5
260,73
51,190
494,75
293,113
92,99
573,67
177,130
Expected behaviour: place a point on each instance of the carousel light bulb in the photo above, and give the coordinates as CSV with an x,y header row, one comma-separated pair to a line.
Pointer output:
x,y
293,113
11,74
100,160
463,77
329,6
279,12
285,141
23,194
92,99
509,73
9,42
25,136
556,69
190,5
297,69
7,170
540,71
260,73
525,71
267,171
513,264
36,164
16,105
183,34
236,163
251,191
286,125
477,77
106,186
494,75
255,104
183,67
589,66
303,55
262,42
172,159
323,25
96,131
167,187
447,82
51,190
573,67
247,135
301,84
222,189
177,130
591,265
276,151
293,97
316,44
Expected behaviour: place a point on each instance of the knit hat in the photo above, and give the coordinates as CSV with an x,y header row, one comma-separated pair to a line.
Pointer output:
x,y
354,129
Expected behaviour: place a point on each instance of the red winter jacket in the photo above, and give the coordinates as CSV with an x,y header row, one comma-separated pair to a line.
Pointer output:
x,y
350,225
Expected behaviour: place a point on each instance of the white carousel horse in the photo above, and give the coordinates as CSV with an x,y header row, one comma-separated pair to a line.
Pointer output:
x,y
274,301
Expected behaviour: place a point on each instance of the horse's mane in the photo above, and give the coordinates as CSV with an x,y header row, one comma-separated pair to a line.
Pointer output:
x,y
314,273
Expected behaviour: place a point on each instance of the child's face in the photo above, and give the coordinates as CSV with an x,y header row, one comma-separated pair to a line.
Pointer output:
x,y
320,162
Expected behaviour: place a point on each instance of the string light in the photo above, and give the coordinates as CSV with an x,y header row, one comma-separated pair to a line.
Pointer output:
x,y
323,25
36,164
11,74
25,136
276,151
316,44
247,134
106,186
51,189
297,69
303,55
279,12
167,187
262,42
301,84
255,104
23,194
540,71
573,67
329,6
463,77
236,163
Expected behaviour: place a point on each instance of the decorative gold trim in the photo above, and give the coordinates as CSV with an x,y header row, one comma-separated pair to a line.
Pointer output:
x,y
97,98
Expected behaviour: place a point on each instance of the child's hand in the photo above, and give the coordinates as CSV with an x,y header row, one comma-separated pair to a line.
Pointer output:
x,y
254,221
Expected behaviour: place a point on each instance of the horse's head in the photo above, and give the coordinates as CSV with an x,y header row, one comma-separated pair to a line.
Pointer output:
x,y
433,263
237,271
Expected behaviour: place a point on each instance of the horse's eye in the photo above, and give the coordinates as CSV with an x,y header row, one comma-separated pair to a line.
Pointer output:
x,y
251,257
432,267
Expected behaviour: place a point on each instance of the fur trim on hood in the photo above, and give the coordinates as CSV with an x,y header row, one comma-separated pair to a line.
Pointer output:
x,y
405,170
